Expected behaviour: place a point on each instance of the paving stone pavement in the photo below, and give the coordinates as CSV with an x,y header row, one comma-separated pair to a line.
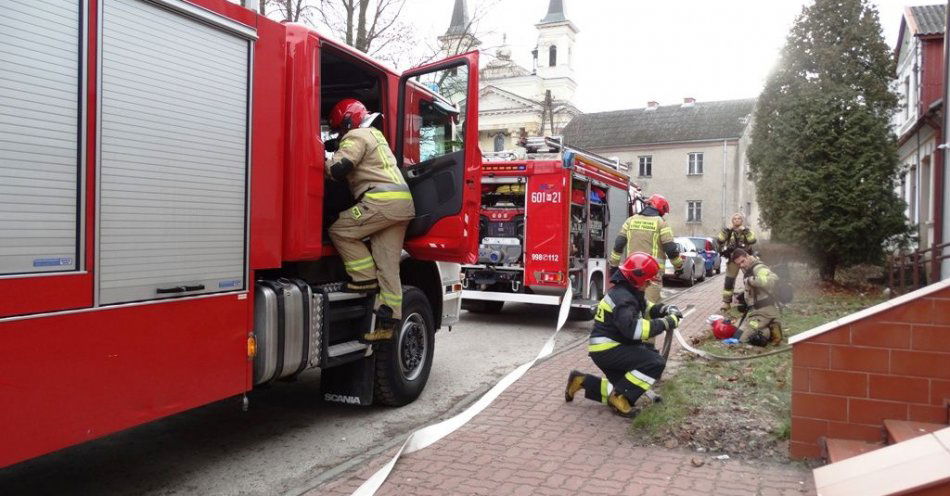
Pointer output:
x,y
530,441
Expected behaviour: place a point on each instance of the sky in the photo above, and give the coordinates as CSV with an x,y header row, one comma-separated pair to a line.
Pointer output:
x,y
629,52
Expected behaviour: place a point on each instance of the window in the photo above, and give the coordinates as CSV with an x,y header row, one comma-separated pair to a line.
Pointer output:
x,y
694,211
695,164
552,55
906,98
646,166
499,142
441,132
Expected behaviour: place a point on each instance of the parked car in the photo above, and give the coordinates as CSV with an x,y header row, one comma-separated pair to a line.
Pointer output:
x,y
707,248
694,265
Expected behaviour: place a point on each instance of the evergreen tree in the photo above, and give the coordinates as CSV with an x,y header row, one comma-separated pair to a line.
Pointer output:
x,y
823,154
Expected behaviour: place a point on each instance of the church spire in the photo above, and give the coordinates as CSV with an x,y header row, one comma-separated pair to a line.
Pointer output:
x,y
555,12
459,25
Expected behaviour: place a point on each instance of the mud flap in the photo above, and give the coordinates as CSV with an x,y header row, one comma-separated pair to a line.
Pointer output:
x,y
350,383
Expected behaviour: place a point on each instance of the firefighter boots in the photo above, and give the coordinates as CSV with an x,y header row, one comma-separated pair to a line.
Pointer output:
x,y
575,382
385,326
776,334
621,405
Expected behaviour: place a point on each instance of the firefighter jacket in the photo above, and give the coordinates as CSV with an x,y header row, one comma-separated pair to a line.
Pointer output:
x,y
730,239
760,284
646,232
625,317
369,167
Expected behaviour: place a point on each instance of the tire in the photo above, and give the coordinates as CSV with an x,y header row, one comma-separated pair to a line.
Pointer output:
x,y
403,363
692,277
584,314
702,274
709,273
482,306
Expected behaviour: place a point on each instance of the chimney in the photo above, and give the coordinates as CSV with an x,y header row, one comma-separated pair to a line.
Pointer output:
x,y
652,105
689,101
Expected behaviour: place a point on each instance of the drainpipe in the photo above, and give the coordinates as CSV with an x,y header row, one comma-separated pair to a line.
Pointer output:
x,y
943,221
722,219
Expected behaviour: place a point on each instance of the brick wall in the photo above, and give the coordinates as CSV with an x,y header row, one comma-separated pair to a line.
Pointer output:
x,y
893,362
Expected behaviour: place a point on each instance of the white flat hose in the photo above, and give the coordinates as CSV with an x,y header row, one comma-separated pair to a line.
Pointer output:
x,y
430,434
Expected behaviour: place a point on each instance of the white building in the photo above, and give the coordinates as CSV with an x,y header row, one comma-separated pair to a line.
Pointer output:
x,y
513,99
694,154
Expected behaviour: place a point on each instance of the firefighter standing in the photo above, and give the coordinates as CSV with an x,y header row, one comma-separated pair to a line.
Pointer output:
x,y
618,346
382,213
647,232
730,238
760,325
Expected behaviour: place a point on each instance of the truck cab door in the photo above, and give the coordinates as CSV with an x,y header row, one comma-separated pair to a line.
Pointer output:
x,y
437,150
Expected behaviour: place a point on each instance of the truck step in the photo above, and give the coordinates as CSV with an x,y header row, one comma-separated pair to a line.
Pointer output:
x,y
341,296
345,348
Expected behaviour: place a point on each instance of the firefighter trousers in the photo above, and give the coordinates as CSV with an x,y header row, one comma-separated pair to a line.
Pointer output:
x,y
386,238
631,370
729,286
756,328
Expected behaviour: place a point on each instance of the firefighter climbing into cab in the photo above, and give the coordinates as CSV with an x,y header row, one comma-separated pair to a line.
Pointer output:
x,y
382,213
625,320
647,232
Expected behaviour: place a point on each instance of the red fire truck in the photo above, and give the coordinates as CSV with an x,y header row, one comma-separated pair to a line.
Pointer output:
x,y
544,221
163,214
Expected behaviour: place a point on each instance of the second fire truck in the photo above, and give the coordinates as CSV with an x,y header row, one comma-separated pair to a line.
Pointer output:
x,y
545,221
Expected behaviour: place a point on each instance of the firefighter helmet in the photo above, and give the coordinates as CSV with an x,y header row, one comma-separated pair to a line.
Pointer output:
x,y
347,114
723,329
639,268
660,204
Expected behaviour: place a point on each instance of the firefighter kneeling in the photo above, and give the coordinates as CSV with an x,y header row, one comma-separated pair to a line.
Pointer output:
x,y
760,326
623,323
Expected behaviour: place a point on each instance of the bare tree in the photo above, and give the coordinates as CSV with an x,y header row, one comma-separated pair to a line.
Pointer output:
x,y
287,10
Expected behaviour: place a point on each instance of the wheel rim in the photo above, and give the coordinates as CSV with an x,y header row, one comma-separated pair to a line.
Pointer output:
x,y
413,346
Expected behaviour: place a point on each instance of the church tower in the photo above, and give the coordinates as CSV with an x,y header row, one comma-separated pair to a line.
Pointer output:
x,y
554,56
459,38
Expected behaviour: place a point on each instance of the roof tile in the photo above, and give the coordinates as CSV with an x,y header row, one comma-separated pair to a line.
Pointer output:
x,y
666,124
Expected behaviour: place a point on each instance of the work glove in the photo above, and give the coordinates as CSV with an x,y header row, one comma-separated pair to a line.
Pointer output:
x,y
331,145
750,282
672,322
674,310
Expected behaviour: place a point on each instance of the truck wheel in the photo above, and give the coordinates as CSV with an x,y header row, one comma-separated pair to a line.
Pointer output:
x,y
403,363
482,306
596,294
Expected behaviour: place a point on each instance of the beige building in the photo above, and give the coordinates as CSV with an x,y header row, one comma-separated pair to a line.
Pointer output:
x,y
513,99
693,153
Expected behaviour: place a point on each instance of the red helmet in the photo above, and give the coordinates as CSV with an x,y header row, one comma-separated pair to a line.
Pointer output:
x,y
639,268
723,329
347,114
660,204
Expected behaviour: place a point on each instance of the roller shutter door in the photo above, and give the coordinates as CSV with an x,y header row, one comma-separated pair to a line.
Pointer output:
x,y
40,108
173,166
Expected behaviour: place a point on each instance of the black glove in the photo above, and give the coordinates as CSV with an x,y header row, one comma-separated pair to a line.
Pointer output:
x,y
674,310
672,322
331,145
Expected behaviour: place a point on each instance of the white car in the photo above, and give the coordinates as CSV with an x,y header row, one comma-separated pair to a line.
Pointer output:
x,y
694,265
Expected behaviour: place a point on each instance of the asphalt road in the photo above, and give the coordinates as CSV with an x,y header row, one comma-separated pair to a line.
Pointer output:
x,y
291,440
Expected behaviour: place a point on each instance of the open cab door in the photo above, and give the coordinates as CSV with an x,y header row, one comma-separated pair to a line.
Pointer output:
x,y
437,150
